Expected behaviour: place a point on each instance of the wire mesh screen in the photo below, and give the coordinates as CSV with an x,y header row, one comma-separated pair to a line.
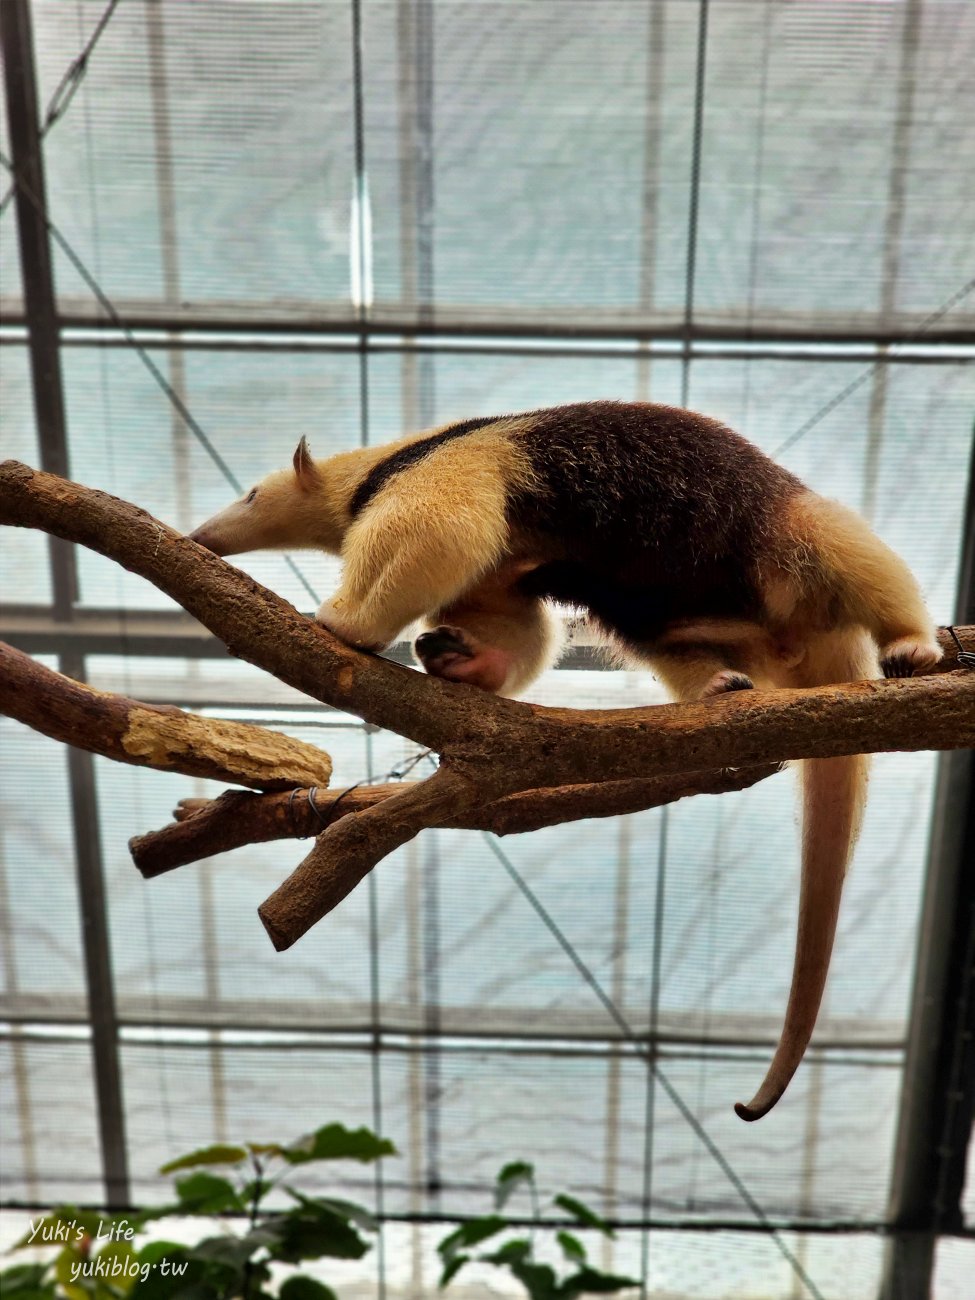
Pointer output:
x,y
353,220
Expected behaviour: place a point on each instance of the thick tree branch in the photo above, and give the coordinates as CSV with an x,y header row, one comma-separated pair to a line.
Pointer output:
x,y
350,848
480,734
205,827
158,736
253,622
502,750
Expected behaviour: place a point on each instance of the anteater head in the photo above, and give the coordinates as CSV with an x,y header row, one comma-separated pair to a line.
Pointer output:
x,y
289,509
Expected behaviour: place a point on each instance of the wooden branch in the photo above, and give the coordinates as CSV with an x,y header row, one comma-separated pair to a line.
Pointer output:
x,y
149,735
350,848
253,622
205,827
503,745
498,747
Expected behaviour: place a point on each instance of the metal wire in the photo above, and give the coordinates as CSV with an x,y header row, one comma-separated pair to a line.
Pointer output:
x,y
66,89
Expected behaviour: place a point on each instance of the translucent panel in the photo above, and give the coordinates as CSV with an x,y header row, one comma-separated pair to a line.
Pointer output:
x,y
816,202
182,1096
581,1117
42,970
188,946
954,1265
936,240
126,439
48,1130
485,102
208,155
417,390
25,571
824,1151
904,435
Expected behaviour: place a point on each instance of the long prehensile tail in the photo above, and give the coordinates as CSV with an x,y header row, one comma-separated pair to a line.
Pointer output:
x,y
833,795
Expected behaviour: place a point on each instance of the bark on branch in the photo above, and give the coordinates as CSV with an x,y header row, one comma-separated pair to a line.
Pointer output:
x,y
205,827
152,735
349,849
504,750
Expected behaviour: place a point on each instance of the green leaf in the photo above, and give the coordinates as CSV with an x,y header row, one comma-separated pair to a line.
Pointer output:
x,y
153,1251
64,1263
305,1288
23,1280
174,1274
265,1148
538,1280
348,1210
230,1252
336,1142
470,1234
582,1214
512,1252
511,1177
206,1194
115,1267
572,1247
452,1268
311,1231
219,1154
589,1281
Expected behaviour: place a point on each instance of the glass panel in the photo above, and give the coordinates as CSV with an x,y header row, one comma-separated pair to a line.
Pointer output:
x,y
42,970
208,156
48,1127
486,102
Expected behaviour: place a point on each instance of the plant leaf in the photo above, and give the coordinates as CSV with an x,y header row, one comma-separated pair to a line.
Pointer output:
x,y
218,1154
512,1252
572,1247
538,1280
153,1251
356,1214
470,1234
25,1282
113,1267
204,1193
582,1214
311,1231
452,1268
305,1288
511,1177
336,1142
589,1281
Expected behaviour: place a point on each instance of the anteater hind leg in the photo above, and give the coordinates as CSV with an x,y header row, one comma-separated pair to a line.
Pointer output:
x,y
876,589
701,672
699,659
493,636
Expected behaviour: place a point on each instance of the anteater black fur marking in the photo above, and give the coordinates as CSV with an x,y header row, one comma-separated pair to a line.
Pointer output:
x,y
380,474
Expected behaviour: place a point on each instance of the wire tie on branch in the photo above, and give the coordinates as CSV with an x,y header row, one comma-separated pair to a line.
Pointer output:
x,y
965,657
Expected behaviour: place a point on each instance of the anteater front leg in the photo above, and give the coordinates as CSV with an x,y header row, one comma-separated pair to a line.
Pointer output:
x,y
401,564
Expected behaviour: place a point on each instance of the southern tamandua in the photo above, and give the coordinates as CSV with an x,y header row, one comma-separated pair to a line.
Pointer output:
x,y
692,550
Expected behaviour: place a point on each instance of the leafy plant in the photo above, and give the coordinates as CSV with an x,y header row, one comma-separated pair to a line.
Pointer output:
x,y
99,1261
575,1276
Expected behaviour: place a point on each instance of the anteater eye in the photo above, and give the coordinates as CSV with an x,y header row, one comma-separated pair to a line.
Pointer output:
x,y
250,496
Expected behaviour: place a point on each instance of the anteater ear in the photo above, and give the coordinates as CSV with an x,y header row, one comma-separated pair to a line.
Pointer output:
x,y
306,471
